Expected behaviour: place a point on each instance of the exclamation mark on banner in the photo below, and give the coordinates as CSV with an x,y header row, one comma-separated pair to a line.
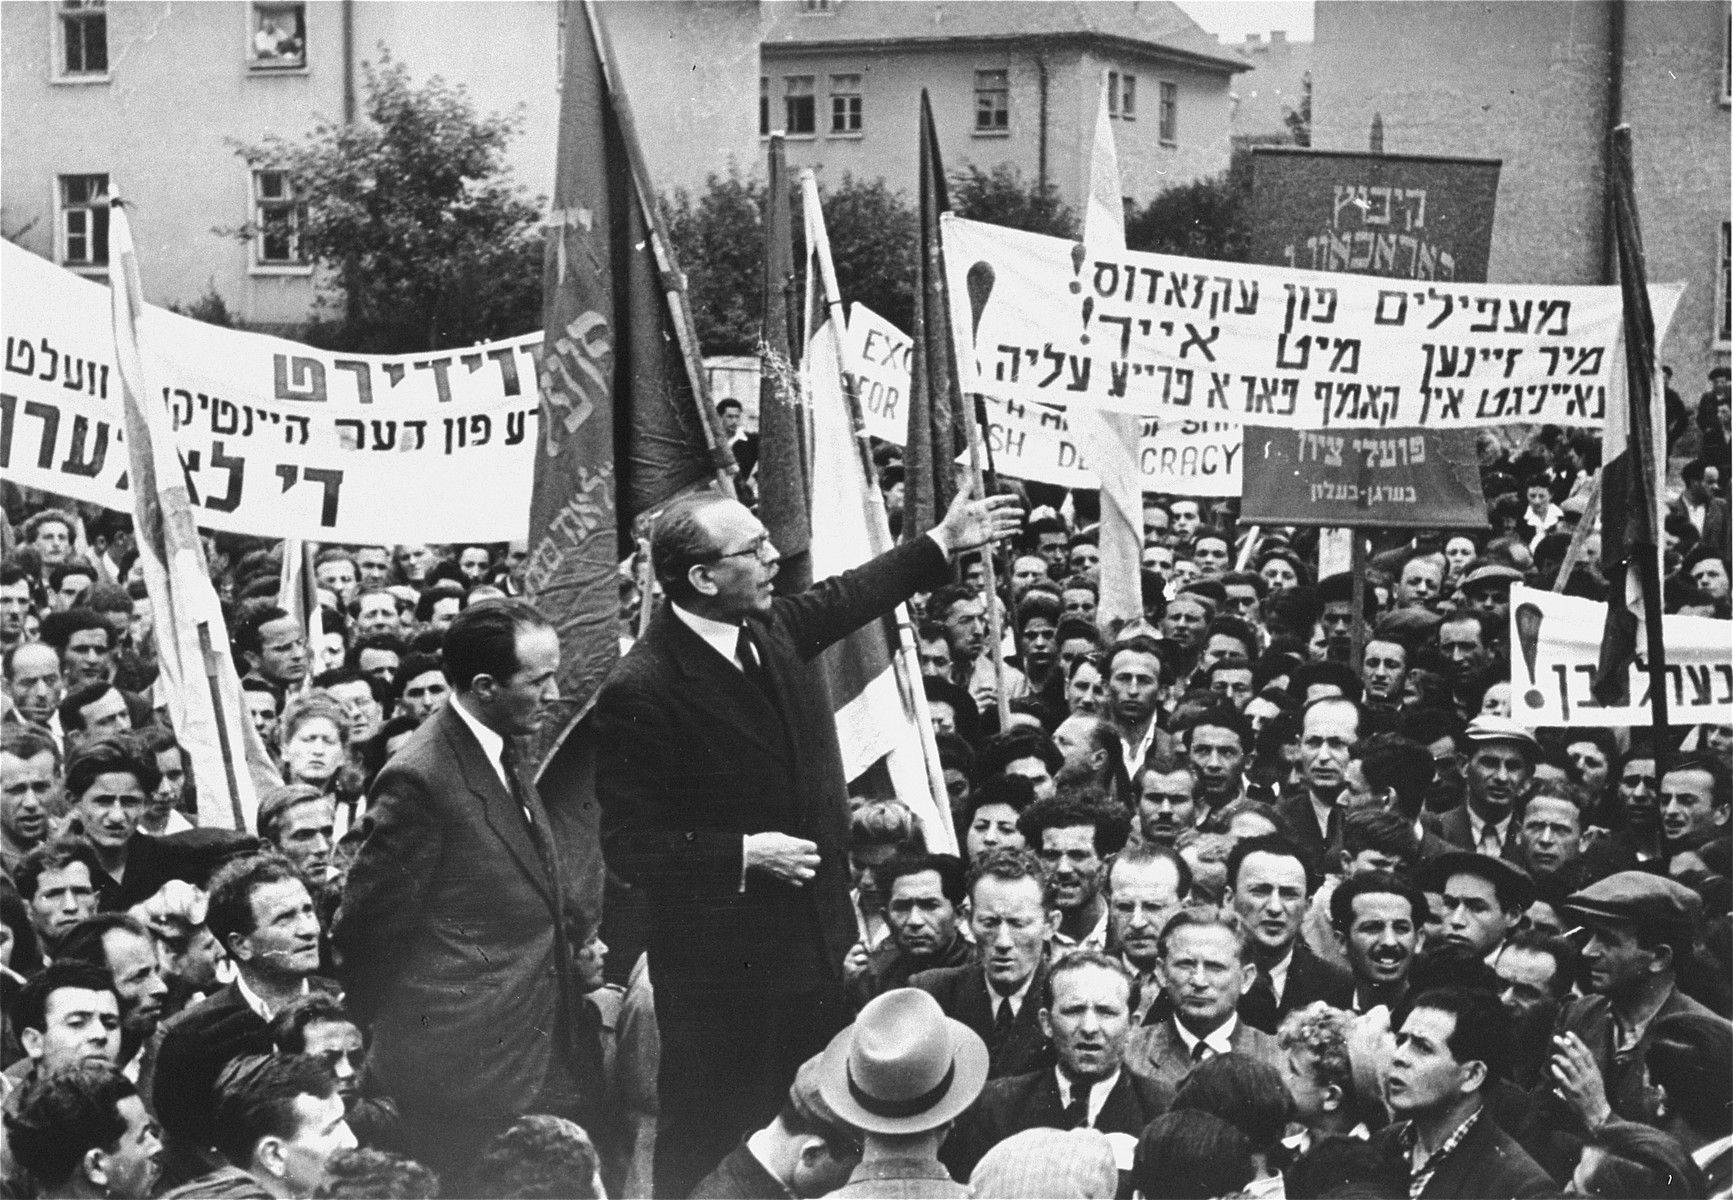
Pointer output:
x,y
980,280
1088,311
1077,256
1528,619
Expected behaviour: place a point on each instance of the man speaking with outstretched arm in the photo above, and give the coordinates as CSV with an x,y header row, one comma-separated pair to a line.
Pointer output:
x,y
723,798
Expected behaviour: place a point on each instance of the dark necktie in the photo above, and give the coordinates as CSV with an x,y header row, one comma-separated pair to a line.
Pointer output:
x,y
1201,1051
1002,1021
508,758
752,666
1076,1115
1258,1005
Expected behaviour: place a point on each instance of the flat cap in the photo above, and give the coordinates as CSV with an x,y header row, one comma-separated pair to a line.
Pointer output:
x,y
1491,575
1510,882
1488,728
1652,901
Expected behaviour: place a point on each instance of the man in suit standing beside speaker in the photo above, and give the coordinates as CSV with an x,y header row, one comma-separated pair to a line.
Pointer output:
x,y
455,934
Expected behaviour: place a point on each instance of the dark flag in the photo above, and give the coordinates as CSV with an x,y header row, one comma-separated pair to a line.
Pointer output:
x,y
1628,497
625,419
784,482
938,429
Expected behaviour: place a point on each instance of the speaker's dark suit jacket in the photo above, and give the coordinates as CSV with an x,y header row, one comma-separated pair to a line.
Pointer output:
x,y
962,993
1018,1102
452,937
692,757
1485,1165
1295,809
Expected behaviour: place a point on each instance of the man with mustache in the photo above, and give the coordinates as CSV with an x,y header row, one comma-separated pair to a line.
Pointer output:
x,y
1378,919
1501,760
1073,834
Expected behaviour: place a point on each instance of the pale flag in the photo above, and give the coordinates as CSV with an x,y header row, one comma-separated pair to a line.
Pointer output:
x,y
1111,442
197,677
877,713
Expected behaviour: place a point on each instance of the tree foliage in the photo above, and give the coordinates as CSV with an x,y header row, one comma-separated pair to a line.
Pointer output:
x,y
1000,197
1208,218
422,239
719,238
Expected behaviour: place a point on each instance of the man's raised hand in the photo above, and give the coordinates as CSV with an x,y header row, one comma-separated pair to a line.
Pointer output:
x,y
970,524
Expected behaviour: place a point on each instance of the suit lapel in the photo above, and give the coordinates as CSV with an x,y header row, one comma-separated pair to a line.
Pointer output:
x,y
499,808
1046,1106
740,705
1120,1112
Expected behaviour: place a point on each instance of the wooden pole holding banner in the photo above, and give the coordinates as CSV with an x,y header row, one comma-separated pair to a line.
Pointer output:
x,y
905,659
212,681
995,627
1357,602
1649,460
1580,535
662,252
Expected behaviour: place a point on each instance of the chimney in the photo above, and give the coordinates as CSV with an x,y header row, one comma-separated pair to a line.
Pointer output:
x,y
1254,39
1278,37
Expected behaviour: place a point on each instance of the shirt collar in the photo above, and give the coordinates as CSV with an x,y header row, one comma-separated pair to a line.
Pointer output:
x,y
1220,1039
1098,1092
256,1002
1016,998
720,636
1279,973
492,744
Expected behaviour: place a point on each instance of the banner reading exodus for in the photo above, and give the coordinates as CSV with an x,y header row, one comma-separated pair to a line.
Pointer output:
x,y
1033,441
277,439
1043,319
1556,648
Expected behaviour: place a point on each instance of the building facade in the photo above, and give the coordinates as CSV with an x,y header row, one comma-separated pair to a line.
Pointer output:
x,y
1540,85
1011,83
153,97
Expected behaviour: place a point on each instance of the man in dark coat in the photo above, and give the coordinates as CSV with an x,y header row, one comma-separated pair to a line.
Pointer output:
x,y
723,798
1451,1049
455,934
1087,1014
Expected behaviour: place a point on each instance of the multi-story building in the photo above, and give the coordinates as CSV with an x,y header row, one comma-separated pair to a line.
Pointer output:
x,y
1540,85
153,97
1010,82
1277,91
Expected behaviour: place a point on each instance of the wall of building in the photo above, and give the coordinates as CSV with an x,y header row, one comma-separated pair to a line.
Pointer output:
x,y
892,83
179,94
1529,84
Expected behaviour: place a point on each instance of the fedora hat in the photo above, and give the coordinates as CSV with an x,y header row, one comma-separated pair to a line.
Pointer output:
x,y
903,1066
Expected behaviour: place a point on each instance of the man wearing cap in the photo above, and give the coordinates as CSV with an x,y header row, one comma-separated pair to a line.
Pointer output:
x,y
1487,590
1484,898
1087,1014
1500,764
1640,927
901,1074
807,1150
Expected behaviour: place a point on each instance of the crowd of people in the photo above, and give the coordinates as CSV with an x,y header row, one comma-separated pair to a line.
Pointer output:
x,y
1258,894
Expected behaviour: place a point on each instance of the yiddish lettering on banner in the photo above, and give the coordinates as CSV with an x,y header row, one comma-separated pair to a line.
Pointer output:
x,y
1555,648
1042,320
276,439
1032,441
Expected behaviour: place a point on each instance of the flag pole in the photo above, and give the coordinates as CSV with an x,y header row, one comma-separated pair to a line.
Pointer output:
x,y
213,680
667,267
1640,371
995,627
905,659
